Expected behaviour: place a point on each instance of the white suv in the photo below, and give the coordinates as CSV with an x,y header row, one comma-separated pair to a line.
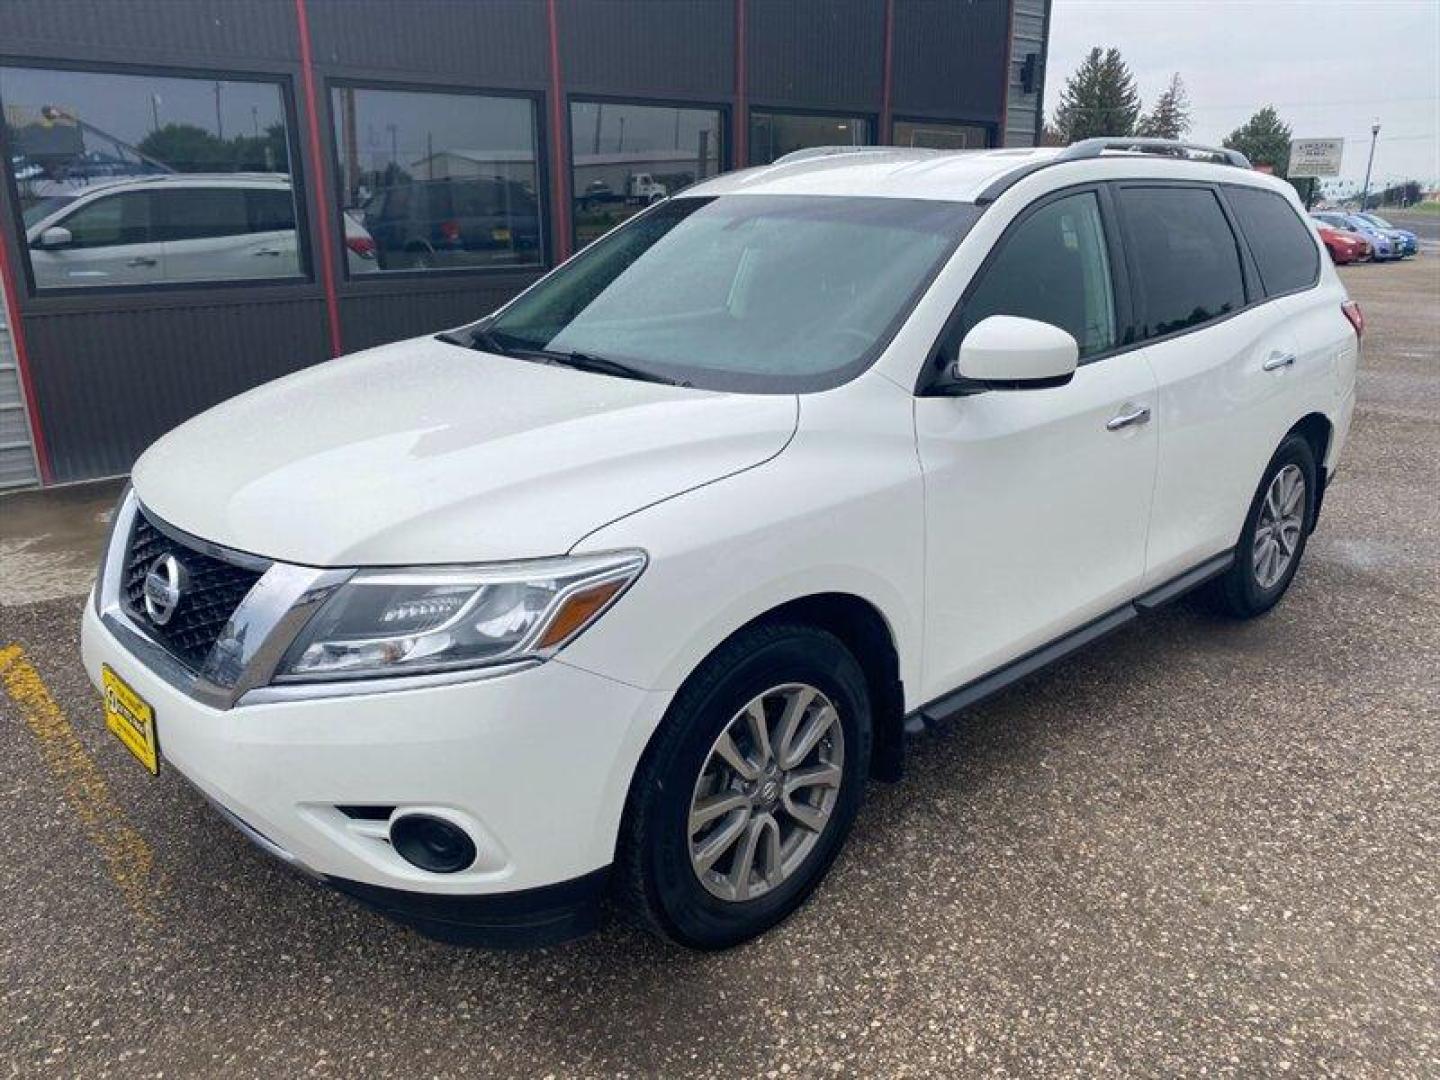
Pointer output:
x,y
627,589
174,227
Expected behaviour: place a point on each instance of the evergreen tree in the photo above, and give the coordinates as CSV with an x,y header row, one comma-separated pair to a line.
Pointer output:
x,y
1170,116
1099,98
1264,139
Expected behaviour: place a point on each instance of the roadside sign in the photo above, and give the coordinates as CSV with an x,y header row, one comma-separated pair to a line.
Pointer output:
x,y
1316,157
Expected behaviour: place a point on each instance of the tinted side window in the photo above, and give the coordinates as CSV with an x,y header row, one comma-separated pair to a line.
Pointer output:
x,y
1053,267
112,220
271,210
200,213
1187,268
1281,245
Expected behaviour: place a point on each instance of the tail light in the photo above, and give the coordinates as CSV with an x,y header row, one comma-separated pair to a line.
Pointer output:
x,y
450,230
1355,315
363,246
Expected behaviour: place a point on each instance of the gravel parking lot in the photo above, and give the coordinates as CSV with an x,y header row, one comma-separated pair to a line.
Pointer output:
x,y
1198,848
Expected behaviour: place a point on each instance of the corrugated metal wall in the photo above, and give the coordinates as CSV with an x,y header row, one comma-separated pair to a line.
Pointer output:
x,y
1029,33
950,58
113,370
17,455
816,53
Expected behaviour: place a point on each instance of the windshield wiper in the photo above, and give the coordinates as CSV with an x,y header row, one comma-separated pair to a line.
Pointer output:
x,y
603,365
482,338
475,337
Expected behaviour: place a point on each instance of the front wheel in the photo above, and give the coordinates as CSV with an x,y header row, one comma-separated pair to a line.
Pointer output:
x,y
748,792
1276,529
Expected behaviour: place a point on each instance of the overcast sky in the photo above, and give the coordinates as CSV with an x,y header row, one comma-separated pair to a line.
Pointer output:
x,y
1330,68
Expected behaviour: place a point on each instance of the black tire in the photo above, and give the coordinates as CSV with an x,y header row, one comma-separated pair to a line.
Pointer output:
x,y
1238,592
656,885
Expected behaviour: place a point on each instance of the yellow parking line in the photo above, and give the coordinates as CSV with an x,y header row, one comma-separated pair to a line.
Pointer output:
x,y
128,858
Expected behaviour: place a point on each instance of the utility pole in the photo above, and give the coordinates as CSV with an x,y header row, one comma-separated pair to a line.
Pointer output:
x,y
219,123
1365,193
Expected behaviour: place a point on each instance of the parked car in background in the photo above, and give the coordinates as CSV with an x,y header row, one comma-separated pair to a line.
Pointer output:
x,y
630,587
1344,247
453,222
1409,242
1385,244
598,193
172,227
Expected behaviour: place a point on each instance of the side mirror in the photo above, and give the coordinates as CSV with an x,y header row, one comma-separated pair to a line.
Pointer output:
x,y
1004,352
54,237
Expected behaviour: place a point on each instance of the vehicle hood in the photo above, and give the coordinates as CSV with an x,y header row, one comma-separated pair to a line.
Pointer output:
x,y
425,452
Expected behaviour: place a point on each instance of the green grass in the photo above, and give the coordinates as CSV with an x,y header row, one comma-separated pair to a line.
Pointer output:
x,y
1420,208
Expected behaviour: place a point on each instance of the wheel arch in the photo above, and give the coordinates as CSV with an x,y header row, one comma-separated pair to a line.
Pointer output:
x,y
865,631
1317,429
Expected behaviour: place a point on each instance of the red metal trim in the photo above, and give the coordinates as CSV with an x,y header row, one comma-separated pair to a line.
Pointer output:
x,y
22,362
887,77
1005,85
559,164
326,255
742,91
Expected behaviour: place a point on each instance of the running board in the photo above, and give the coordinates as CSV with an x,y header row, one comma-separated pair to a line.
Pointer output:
x,y
974,692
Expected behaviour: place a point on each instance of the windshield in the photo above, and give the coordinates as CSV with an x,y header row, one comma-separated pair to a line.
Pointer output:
x,y
1377,221
759,293
38,211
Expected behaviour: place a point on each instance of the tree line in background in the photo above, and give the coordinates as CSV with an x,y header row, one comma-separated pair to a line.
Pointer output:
x,y
1100,99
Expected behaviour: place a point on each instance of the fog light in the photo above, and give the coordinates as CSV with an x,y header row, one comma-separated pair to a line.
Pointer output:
x,y
432,843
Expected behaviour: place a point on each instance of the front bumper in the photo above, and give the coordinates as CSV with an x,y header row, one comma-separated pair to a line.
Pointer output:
x,y
535,765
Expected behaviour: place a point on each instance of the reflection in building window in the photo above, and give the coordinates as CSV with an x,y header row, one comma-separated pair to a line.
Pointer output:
x,y
935,135
436,181
629,156
135,180
773,135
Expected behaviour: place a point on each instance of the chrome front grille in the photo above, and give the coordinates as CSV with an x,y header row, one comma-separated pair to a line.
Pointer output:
x,y
213,589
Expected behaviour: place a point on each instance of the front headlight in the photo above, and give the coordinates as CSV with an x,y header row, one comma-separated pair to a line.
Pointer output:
x,y
404,622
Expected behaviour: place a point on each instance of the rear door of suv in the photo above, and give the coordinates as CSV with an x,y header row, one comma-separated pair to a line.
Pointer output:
x,y
1223,361
226,232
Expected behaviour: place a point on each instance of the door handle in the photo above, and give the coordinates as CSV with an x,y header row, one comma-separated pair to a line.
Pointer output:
x,y
1279,360
1137,414
266,251
141,260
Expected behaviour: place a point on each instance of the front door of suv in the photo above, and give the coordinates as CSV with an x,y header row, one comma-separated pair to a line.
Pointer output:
x,y
1037,501
112,242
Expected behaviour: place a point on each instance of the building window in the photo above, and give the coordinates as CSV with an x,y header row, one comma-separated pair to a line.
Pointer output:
x,y
135,180
436,181
773,135
934,135
626,157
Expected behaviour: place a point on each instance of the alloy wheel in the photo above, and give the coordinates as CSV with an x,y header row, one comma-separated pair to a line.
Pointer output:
x,y
1279,527
766,793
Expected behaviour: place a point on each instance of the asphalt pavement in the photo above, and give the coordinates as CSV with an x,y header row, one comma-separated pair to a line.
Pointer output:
x,y
1198,848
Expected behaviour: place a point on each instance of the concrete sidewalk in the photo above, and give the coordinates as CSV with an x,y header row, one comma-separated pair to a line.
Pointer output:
x,y
50,540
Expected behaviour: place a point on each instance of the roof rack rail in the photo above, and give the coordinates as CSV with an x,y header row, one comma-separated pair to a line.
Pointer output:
x,y
1090,148
1087,149
810,153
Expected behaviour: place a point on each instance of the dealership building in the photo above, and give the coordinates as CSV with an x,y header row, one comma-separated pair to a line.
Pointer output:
x,y
202,195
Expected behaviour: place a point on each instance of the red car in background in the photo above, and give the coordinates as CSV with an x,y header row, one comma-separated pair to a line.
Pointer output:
x,y
1344,247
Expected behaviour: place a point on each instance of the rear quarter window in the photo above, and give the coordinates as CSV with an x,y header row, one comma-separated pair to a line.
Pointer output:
x,y
1284,251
